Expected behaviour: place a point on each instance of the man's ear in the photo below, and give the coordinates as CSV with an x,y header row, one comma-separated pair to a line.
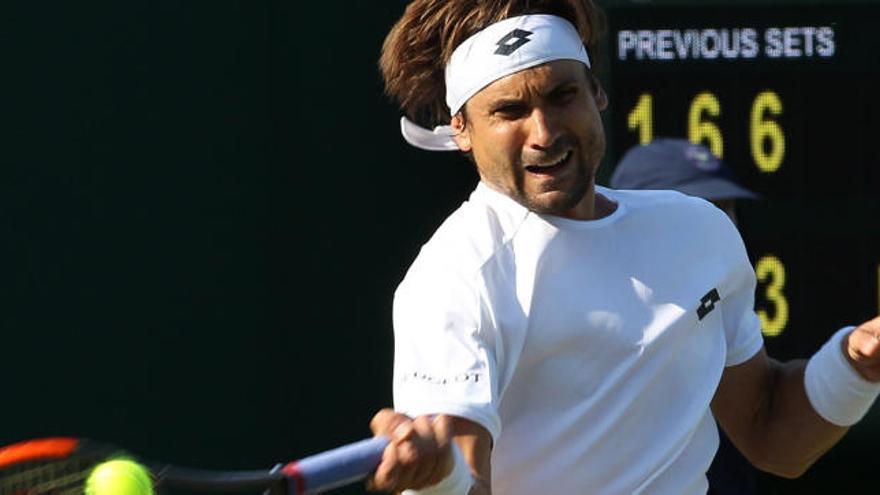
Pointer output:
x,y
461,133
601,97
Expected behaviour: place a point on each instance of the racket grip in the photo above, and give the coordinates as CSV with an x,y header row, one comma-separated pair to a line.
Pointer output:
x,y
334,468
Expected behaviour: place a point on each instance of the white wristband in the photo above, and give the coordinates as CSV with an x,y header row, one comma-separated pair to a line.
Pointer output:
x,y
458,482
835,389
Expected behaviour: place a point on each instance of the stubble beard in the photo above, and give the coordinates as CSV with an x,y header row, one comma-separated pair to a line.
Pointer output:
x,y
558,202
563,201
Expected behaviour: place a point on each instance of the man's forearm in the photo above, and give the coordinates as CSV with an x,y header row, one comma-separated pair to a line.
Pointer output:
x,y
784,416
476,446
763,407
790,435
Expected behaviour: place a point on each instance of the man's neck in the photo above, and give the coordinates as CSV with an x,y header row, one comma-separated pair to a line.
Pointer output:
x,y
592,206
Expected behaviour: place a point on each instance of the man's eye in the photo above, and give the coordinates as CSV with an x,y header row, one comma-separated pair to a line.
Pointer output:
x,y
564,95
511,111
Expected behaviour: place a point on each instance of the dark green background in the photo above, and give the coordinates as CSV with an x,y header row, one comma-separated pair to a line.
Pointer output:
x,y
205,208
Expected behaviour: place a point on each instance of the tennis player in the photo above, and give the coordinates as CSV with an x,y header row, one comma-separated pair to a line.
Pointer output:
x,y
557,337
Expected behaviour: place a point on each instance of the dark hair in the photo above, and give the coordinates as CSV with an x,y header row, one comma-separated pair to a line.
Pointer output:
x,y
416,50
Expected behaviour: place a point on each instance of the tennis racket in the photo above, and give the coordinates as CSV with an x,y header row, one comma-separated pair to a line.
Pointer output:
x,y
60,466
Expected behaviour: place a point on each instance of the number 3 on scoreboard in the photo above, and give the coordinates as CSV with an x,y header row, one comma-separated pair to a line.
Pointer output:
x,y
770,269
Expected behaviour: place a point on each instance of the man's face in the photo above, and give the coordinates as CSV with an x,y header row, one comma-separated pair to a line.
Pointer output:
x,y
536,136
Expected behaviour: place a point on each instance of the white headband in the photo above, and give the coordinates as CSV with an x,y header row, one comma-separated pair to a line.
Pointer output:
x,y
501,49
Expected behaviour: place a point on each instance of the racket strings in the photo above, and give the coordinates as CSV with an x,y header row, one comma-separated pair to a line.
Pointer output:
x,y
48,477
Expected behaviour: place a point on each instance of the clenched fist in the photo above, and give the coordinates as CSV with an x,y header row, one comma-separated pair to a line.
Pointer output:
x,y
418,454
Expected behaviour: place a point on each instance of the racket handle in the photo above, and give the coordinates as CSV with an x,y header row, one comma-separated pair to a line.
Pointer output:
x,y
334,468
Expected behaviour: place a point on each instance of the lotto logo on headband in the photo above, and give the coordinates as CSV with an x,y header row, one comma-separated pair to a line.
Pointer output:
x,y
506,48
530,39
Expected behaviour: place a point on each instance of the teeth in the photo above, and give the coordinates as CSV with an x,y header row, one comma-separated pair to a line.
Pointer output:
x,y
553,164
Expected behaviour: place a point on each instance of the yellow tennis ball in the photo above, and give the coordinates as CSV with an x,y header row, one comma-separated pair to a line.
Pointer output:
x,y
119,477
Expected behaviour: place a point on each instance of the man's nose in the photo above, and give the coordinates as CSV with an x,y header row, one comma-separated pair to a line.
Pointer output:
x,y
543,130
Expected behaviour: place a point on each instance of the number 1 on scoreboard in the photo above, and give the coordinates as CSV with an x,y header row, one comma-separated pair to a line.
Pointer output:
x,y
642,118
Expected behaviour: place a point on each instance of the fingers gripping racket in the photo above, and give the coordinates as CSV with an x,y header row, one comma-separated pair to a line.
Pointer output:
x,y
55,466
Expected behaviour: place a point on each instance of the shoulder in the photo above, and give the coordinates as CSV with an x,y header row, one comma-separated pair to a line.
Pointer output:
x,y
452,263
471,236
672,209
661,198
690,226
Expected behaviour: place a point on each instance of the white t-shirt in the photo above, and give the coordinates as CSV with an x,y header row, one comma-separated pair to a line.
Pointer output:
x,y
590,350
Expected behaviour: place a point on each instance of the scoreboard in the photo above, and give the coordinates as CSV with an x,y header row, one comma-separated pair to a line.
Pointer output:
x,y
789,98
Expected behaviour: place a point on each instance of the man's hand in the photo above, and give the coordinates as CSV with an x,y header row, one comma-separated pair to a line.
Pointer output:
x,y
418,454
862,348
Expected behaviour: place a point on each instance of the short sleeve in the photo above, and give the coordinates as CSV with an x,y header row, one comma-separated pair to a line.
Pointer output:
x,y
442,364
742,326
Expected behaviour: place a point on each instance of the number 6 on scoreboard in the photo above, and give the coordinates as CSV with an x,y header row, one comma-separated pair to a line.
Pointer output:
x,y
700,129
763,129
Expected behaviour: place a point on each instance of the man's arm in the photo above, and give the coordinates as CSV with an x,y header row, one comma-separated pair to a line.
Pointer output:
x,y
763,406
420,454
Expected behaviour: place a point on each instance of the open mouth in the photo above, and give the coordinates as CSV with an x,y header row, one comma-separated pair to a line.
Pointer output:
x,y
550,168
